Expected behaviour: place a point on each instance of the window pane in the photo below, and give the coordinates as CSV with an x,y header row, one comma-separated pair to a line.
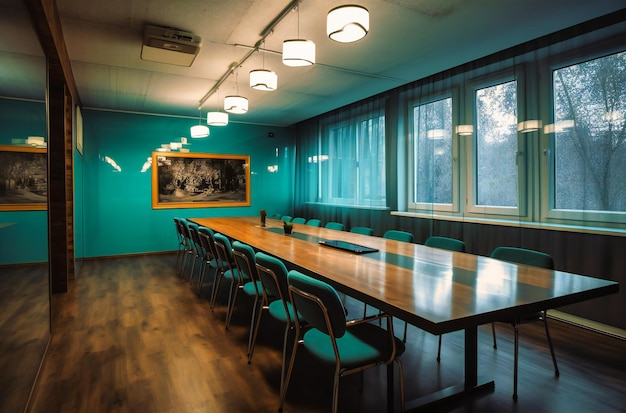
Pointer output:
x,y
496,145
342,162
371,162
432,156
590,135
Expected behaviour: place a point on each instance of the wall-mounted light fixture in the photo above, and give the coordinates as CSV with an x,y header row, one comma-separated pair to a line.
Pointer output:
x,y
464,130
529,126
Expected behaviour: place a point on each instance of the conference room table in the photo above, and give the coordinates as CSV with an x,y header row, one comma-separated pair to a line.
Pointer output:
x,y
436,290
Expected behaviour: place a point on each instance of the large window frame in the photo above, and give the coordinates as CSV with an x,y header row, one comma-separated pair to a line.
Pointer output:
x,y
331,164
549,212
414,204
472,207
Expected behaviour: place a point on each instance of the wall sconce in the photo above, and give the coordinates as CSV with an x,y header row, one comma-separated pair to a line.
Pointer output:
x,y
529,126
347,23
464,130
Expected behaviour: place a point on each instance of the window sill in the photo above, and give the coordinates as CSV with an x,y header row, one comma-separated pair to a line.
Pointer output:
x,y
510,223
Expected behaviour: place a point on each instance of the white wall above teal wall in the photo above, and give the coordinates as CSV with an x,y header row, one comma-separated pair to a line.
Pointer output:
x,y
117,214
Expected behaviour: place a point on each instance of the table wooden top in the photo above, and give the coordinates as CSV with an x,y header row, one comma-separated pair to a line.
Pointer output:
x,y
436,290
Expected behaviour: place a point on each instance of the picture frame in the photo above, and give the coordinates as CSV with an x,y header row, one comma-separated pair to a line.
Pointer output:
x,y
23,178
199,180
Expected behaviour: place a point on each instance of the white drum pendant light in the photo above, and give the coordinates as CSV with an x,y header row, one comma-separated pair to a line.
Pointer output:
x,y
263,79
347,23
298,52
217,118
236,104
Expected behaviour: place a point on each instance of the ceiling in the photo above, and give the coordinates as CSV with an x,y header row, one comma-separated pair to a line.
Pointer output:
x,y
408,40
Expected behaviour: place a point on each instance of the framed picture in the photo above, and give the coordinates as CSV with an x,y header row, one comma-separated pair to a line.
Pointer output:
x,y
23,178
197,180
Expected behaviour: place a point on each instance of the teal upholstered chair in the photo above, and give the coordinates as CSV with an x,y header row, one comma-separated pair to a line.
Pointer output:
x,y
537,259
298,220
445,243
286,218
189,246
362,230
195,252
228,269
397,235
338,226
207,240
314,222
181,241
276,216
245,277
273,275
349,346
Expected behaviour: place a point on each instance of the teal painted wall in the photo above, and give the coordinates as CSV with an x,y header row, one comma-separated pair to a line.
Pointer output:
x,y
117,214
25,239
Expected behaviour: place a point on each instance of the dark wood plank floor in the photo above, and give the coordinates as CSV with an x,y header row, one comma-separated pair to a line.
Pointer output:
x,y
130,336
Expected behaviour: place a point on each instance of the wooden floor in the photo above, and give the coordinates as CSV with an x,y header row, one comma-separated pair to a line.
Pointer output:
x,y
131,336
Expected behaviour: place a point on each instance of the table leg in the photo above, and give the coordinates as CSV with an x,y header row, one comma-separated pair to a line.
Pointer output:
x,y
471,385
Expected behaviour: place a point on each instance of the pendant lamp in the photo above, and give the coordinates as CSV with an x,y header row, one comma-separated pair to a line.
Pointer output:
x,y
236,104
217,118
298,52
347,23
199,130
263,79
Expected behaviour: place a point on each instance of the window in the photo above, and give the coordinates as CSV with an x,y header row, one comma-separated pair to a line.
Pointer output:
x,y
495,172
588,138
353,163
432,156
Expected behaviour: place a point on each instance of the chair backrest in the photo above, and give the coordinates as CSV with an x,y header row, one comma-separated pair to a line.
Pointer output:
x,y
523,256
445,243
398,235
243,254
193,234
362,230
318,303
286,218
335,225
273,275
314,222
298,220
207,240
224,251
276,216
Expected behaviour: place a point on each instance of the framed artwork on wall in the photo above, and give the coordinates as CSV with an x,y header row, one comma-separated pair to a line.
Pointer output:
x,y
23,178
198,180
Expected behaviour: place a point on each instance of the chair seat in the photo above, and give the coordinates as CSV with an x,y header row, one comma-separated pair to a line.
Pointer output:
x,y
249,288
230,275
362,344
277,310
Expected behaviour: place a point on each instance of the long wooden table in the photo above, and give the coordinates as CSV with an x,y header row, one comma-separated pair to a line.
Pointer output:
x,y
436,290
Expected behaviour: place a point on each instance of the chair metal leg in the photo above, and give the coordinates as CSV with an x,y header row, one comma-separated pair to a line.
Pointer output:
x,y
405,328
255,306
215,289
515,327
285,383
556,368
336,393
391,387
439,350
232,300
256,332
493,330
